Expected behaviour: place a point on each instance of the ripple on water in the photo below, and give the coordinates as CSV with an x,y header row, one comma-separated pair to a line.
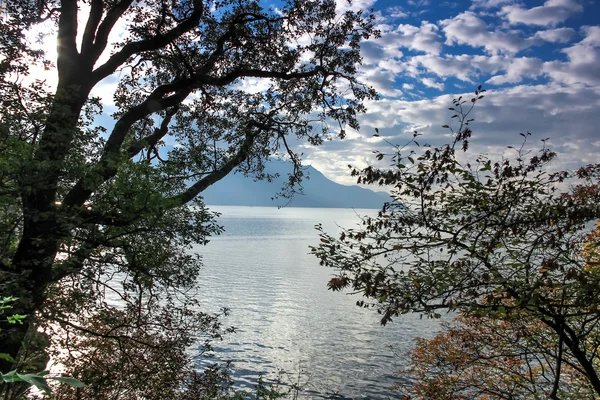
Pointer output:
x,y
286,319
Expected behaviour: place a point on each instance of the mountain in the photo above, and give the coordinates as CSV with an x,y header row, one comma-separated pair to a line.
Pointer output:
x,y
238,190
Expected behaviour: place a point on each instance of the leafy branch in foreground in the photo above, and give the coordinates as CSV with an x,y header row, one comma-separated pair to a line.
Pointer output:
x,y
487,238
101,215
513,357
39,379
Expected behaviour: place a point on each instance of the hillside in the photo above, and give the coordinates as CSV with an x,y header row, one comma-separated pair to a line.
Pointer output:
x,y
237,190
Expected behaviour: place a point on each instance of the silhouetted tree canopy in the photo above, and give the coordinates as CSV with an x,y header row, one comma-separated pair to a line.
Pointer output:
x,y
106,148
484,237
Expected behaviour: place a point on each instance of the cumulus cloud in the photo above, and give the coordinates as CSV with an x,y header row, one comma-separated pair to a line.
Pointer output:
x,y
418,3
558,35
397,12
562,104
381,80
429,82
424,38
517,69
583,61
341,6
464,67
551,13
487,4
470,68
468,29
566,115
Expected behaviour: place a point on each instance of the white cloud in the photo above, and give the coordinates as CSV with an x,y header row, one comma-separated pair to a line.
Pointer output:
x,y
468,29
429,82
550,13
381,80
487,4
105,90
341,6
424,38
518,69
592,35
566,115
464,67
584,58
558,35
469,68
418,3
565,109
397,12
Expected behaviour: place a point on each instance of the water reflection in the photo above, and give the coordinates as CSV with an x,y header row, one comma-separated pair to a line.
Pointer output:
x,y
287,320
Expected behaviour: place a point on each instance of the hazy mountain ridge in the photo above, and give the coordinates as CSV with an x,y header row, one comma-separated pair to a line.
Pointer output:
x,y
238,190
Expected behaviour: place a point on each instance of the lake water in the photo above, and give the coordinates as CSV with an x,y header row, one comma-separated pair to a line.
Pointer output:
x,y
286,319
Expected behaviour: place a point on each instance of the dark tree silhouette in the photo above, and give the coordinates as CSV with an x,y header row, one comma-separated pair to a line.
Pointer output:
x,y
83,199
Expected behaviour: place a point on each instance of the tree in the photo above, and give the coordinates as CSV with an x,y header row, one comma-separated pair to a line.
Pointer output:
x,y
500,356
484,358
39,379
480,237
91,208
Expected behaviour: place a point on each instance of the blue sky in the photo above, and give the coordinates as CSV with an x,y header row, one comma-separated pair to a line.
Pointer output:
x,y
539,61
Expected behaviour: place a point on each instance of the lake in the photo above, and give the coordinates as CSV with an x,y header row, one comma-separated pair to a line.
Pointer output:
x,y
286,319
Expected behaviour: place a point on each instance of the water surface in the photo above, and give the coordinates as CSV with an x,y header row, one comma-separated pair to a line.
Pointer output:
x,y
286,319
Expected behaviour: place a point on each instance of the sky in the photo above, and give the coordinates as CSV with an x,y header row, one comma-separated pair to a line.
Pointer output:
x,y
538,60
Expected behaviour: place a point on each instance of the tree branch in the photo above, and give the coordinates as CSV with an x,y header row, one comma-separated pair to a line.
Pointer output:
x,y
108,164
87,43
572,342
101,39
186,196
554,394
152,140
66,38
133,48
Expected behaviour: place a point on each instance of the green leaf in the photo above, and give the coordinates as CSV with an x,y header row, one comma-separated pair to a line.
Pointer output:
x,y
7,357
37,381
16,319
9,376
69,381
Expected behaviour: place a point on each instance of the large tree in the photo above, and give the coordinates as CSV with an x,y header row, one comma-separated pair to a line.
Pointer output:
x,y
482,237
86,197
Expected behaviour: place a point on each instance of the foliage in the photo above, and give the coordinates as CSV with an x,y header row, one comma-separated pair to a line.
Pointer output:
x,y
39,379
489,238
99,210
6,304
513,357
506,356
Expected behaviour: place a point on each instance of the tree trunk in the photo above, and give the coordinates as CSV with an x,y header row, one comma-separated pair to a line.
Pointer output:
x,y
30,272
